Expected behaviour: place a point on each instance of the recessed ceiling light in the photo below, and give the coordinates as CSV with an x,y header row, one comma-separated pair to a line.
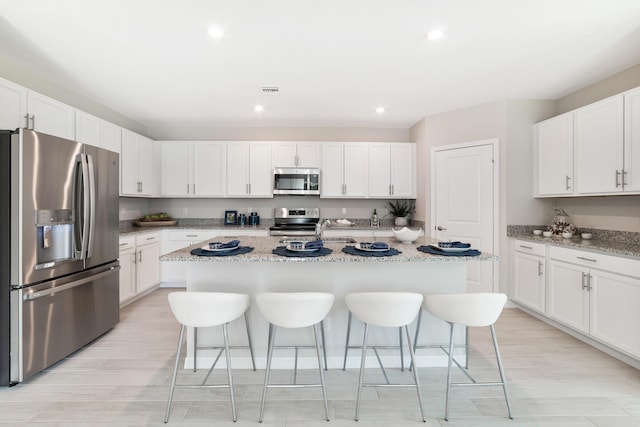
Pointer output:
x,y
258,108
380,110
435,34
216,32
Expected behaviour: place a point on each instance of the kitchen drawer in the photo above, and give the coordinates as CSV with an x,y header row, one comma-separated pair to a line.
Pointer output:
x,y
620,265
527,247
127,243
146,239
192,235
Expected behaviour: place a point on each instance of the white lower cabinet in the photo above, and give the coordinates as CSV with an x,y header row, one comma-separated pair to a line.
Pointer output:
x,y
529,274
139,264
596,294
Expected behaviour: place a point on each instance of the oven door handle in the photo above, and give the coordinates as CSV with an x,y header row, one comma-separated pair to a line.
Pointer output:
x,y
30,296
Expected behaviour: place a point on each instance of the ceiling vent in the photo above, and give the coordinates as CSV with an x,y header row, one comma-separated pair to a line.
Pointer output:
x,y
270,90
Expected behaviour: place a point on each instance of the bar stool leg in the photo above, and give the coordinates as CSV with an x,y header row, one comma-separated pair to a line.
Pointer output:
x,y
246,325
227,354
324,345
272,336
401,349
322,382
175,373
360,379
446,403
502,378
415,372
195,347
346,346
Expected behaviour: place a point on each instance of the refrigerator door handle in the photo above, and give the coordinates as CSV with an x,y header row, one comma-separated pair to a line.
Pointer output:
x,y
82,206
30,296
90,216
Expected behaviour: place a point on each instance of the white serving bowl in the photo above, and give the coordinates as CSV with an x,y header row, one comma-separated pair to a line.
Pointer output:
x,y
537,232
407,235
567,234
547,233
586,236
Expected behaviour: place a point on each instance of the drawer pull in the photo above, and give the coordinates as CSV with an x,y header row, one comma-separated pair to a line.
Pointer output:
x,y
526,247
587,259
151,238
192,235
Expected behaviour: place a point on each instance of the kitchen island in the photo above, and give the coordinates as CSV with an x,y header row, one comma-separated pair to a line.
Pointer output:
x,y
338,273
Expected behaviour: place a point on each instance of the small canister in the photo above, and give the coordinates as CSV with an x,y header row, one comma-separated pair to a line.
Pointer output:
x,y
254,219
242,220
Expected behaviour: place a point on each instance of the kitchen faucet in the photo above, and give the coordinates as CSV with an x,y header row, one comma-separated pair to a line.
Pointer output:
x,y
320,227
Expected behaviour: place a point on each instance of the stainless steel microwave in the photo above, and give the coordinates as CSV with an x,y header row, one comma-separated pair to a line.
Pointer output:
x,y
298,181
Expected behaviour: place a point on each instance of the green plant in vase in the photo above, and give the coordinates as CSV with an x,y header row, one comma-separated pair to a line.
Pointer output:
x,y
401,209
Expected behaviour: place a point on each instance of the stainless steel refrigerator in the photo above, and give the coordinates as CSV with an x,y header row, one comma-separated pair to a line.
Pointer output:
x,y
58,249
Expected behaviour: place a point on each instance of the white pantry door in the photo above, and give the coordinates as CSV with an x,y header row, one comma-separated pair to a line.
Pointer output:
x,y
464,192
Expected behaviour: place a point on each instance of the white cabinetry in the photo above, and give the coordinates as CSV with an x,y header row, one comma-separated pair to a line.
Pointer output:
x,y
94,131
631,174
345,171
127,259
553,156
599,147
193,169
392,170
139,264
136,161
529,274
13,105
596,294
47,115
249,172
296,154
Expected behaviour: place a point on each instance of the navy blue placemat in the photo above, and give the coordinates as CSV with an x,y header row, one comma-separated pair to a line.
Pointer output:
x,y
282,250
437,251
241,250
351,250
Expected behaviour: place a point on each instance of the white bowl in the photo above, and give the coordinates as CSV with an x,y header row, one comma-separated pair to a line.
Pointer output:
x,y
567,234
586,236
407,235
537,232
547,233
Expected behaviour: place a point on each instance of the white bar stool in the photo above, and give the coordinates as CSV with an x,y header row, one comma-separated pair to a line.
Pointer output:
x,y
391,310
294,310
206,309
471,310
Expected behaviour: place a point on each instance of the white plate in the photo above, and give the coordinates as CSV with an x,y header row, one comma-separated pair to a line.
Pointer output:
x,y
370,249
207,248
452,249
289,248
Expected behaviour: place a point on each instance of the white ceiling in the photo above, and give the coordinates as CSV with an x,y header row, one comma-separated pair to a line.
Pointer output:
x,y
335,61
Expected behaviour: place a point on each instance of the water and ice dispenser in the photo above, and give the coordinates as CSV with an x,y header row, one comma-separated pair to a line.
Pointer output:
x,y
54,237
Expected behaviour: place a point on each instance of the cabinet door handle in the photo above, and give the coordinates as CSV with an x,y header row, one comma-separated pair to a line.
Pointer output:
x,y
584,284
33,122
617,178
440,228
539,268
587,259
526,247
26,121
566,182
192,235
194,189
589,277
140,256
393,190
624,178
390,190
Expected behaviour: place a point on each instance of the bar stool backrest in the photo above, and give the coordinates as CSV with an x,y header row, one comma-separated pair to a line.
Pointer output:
x,y
204,309
294,309
388,309
473,309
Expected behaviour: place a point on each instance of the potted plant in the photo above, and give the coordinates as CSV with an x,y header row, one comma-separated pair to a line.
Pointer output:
x,y
401,209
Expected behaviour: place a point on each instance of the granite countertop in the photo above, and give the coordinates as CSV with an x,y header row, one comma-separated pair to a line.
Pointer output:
x,y
126,231
264,245
611,246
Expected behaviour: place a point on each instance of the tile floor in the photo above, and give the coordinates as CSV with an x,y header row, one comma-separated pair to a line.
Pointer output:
x,y
123,378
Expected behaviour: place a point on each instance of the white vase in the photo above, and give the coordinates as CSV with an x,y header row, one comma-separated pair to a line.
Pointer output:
x,y
401,221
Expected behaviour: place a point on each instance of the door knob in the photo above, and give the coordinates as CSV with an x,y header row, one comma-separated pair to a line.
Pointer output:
x,y
440,228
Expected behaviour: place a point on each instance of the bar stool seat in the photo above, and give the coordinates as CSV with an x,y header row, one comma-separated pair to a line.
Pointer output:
x,y
294,310
469,310
206,309
391,310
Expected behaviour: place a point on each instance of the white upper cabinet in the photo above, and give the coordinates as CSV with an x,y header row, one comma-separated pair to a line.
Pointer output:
x,y
553,156
49,116
110,136
599,147
13,105
87,129
249,171
631,178
392,170
136,165
193,169
345,169
296,154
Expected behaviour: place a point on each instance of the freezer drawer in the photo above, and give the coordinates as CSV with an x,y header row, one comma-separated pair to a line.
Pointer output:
x,y
53,319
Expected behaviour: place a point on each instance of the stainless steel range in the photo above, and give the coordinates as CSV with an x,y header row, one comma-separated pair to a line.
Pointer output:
x,y
295,222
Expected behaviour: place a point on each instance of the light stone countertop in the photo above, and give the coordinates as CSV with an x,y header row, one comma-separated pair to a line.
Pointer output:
x,y
263,247
609,247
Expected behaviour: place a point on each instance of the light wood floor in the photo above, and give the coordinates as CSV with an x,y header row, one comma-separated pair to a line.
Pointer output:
x,y
123,378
